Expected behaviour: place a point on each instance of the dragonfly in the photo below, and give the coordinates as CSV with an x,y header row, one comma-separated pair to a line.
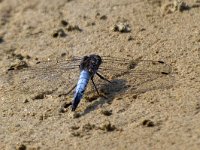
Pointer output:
x,y
52,75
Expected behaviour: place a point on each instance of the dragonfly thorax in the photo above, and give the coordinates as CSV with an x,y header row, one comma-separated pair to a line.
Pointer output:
x,y
91,63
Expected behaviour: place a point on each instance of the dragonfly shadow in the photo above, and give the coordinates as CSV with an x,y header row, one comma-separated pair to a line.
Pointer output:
x,y
109,91
120,86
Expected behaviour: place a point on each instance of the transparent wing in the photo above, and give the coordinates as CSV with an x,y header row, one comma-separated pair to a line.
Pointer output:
x,y
44,77
135,76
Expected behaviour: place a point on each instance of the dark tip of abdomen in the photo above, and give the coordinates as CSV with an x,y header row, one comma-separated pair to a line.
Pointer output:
x,y
76,101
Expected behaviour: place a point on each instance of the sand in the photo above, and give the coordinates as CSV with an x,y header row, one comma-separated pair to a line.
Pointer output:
x,y
144,117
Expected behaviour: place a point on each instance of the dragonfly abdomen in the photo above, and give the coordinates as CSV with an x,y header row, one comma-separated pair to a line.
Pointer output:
x,y
80,88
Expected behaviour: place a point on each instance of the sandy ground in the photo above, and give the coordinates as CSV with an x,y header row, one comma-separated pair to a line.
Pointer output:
x,y
165,117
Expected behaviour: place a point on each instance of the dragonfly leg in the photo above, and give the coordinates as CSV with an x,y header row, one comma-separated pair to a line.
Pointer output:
x,y
95,87
68,92
103,78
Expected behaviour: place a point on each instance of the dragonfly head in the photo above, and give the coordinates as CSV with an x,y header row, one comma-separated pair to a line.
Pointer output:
x,y
91,63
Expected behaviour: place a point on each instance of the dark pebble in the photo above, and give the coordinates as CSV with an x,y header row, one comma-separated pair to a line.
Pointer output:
x,y
19,56
25,101
104,17
108,127
21,147
64,23
130,38
148,123
1,40
59,33
64,107
63,54
73,28
106,112
19,66
39,96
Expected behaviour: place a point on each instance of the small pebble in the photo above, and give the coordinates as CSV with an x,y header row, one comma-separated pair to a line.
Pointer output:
x,y
106,112
75,127
63,54
17,125
20,65
148,123
90,24
97,14
64,23
21,147
59,33
64,107
130,38
26,101
77,134
73,28
74,115
171,7
28,57
142,29
1,40
104,17
135,96
122,27
181,6
18,56
41,117
39,96
107,126
88,127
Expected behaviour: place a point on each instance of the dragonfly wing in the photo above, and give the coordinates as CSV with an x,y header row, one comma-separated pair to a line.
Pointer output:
x,y
136,76
46,76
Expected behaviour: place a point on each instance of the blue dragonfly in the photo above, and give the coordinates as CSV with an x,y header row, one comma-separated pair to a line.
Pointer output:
x,y
50,76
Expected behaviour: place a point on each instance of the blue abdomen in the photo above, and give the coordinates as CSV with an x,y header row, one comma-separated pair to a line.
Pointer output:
x,y
80,88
